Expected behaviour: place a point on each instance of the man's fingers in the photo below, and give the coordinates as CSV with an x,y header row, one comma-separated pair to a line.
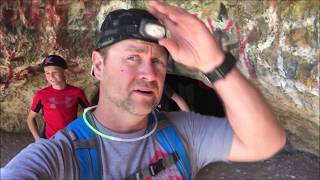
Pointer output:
x,y
168,11
170,25
163,7
173,17
161,17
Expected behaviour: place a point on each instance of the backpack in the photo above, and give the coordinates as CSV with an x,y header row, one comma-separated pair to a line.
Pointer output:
x,y
85,143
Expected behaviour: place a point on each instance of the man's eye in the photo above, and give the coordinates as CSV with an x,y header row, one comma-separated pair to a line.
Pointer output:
x,y
133,58
157,61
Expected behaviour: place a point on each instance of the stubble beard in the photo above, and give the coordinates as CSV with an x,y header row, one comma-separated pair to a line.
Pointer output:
x,y
130,106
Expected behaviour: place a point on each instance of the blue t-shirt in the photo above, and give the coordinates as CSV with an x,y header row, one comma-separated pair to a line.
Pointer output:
x,y
208,139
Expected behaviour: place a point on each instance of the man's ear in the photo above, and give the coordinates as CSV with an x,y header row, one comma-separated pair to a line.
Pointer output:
x,y
97,64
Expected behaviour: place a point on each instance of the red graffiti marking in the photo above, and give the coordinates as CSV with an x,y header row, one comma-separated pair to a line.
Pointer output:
x,y
24,73
228,27
242,52
28,71
21,14
34,14
74,68
31,14
272,4
20,75
31,17
243,42
9,54
9,77
52,17
2,7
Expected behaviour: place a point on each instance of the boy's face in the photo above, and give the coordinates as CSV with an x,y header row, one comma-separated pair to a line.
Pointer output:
x,y
54,75
132,75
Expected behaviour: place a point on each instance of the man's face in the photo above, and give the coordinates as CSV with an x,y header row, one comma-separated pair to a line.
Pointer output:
x,y
54,75
132,76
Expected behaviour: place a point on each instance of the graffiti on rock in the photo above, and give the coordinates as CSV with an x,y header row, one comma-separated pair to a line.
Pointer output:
x,y
23,74
241,42
32,29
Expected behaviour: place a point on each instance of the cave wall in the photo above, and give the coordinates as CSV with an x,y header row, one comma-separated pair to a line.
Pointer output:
x,y
276,42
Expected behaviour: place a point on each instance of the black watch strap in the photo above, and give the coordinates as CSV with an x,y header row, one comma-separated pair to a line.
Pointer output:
x,y
221,71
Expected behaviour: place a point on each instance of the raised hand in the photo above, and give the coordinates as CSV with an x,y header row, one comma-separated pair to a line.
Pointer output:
x,y
191,42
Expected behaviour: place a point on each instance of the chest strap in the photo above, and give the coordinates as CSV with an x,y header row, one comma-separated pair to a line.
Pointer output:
x,y
153,169
171,141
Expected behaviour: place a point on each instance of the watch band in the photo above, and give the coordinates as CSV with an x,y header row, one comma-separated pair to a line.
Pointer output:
x,y
221,71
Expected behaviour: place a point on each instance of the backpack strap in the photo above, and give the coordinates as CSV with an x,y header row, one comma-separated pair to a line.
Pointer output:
x,y
85,144
171,141
153,169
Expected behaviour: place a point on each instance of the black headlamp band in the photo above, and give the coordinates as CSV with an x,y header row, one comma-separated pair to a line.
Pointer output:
x,y
132,31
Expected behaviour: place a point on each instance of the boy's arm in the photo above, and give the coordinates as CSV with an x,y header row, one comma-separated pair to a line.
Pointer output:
x,y
180,102
32,125
83,100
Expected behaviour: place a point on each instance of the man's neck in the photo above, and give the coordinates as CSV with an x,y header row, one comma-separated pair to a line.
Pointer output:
x,y
119,120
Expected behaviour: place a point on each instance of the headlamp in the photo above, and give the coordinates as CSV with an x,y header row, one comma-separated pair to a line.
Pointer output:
x,y
152,29
130,24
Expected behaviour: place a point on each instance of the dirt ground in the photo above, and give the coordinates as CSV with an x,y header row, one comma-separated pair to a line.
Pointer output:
x,y
287,164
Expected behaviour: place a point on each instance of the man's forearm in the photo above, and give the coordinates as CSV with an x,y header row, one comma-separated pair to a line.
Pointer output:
x,y
250,116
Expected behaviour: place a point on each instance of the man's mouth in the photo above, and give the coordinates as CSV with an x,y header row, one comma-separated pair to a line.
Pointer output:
x,y
144,92
145,89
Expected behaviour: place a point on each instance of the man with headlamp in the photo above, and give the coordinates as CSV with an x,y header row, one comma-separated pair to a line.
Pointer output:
x,y
130,62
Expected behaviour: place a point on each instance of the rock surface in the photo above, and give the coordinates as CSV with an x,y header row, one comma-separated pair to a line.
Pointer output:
x,y
276,42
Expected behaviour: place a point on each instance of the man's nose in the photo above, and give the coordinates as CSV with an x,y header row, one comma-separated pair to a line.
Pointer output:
x,y
148,71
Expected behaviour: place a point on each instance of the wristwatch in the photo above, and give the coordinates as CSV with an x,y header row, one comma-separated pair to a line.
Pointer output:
x,y
221,71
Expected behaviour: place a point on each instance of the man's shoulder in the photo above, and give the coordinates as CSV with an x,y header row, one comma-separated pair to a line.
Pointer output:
x,y
178,114
53,144
177,117
183,118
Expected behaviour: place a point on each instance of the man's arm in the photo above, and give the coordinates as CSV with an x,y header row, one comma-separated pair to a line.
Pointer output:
x,y
33,125
257,134
44,159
